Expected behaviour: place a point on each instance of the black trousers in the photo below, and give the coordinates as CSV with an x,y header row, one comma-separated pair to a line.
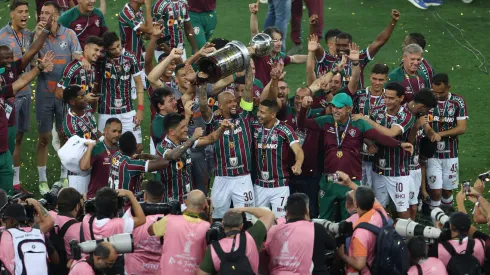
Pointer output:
x,y
309,186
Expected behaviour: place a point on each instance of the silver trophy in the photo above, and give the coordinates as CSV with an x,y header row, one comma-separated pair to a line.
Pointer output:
x,y
233,57
262,44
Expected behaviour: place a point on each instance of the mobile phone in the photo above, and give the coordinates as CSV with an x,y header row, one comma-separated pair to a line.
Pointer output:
x,y
467,187
485,177
333,177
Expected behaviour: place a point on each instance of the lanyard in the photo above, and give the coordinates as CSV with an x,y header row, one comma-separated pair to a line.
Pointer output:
x,y
88,128
407,77
20,42
340,139
268,134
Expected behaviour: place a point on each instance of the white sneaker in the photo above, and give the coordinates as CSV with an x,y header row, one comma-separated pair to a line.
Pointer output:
x,y
263,1
467,1
55,141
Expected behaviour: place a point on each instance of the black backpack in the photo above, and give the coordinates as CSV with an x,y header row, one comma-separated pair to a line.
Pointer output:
x,y
235,262
464,263
57,239
391,252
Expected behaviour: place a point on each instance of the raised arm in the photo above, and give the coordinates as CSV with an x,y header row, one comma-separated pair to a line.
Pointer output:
x,y
147,27
191,37
42,32
176,153
85,161
139,216
206,111
152,45
247,95
157,72
310,61
391,132
303,122
46,222
102,7
356,69
385,35
254,24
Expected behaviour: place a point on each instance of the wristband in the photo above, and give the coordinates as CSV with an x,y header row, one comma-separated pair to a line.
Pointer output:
x,y
141,108
39,67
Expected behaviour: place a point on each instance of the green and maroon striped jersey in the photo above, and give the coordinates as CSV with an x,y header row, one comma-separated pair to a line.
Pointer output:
x,y
233,150
157,130
131,37
126,173
115,83
426,68
83,126
177,175
5,93
393,161
100,162
444,117
173,14
364,103
412,84
74,74
272,152
328,61
414,159
84,25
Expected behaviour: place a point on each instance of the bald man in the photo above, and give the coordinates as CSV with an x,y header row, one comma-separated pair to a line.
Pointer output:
x,y
103,257
185,236
233,150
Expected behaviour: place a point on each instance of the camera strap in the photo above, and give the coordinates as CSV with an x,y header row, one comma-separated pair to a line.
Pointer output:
x,y
419,269
231,233
192,215
90,226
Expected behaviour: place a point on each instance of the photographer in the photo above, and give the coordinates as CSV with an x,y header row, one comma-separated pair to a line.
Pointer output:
x,y
184,236
147,249
97,263
361,250
233,228
459,226
420,263
297,252
66,226
105,223
22,247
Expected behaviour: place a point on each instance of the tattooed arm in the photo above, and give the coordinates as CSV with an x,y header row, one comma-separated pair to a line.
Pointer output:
x,y
176,153
46,222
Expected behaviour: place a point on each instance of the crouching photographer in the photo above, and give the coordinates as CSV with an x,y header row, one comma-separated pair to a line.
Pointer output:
x,y
238,249
148,249
104,221
184,236
103,258
23,248
420,263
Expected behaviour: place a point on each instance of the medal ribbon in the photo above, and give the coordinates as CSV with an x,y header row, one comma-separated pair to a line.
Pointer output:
x,y
341,139
20,42
264,142
407,77
85,127
440,113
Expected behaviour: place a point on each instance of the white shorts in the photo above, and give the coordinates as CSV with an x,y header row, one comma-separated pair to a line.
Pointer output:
x,y
133,85
442,173
367,174
79,182
127,124
153,150
416,181
272,197
398,189
239,189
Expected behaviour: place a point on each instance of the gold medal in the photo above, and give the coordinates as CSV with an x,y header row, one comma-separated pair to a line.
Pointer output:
x,y
264,146
232,144
340,154
23,50
264,156
180,164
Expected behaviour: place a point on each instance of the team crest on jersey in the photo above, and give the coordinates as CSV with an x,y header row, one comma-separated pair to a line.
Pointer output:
x,y
63,45
441,145
324,103
265,175
126,67
11,74
416,160
97,23
274,137
322,193
451,111
118,102
382,162
196,30
363,98
78,27
432,179
234,161
352,132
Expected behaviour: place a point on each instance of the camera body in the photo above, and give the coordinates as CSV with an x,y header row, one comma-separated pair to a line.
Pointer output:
x,y
334,177
123,243
90,207
467,187
172,207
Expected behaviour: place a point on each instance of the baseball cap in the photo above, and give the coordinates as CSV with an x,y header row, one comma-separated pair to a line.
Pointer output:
x,y
341,100
16,212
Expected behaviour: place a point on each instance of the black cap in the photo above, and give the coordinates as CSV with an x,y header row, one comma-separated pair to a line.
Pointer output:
x,y
460,222
16,212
